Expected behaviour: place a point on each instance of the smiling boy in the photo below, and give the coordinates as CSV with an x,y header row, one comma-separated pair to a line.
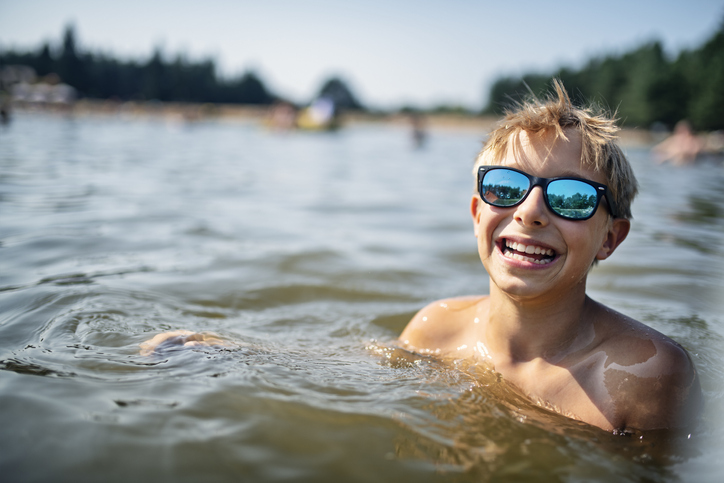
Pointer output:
x,y
553,197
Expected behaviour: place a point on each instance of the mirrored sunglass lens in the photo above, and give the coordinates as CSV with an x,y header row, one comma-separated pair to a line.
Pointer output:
x,y
572,199
503,187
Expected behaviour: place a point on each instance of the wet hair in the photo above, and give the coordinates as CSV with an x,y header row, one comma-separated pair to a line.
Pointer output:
x,y
556,113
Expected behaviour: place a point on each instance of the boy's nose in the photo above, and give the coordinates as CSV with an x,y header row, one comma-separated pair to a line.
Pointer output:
x,y
533,210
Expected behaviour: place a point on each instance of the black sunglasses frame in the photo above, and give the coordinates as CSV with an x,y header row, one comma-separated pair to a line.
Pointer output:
x,y
601,190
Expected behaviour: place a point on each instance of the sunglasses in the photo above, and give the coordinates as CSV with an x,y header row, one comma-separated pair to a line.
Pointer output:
x,y
569,198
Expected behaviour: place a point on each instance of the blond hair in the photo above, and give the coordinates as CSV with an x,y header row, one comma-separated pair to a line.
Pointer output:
x,y
599,136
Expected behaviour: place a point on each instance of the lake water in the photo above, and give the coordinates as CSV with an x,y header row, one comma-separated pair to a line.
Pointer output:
x,y
310,252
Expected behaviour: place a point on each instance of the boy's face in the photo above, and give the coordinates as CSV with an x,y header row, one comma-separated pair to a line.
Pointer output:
x,y
567,247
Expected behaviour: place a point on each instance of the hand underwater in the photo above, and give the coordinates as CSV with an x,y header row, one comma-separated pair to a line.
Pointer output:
x,y
180,338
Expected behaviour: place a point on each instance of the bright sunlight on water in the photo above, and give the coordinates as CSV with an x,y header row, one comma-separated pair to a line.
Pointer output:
x,y
309,253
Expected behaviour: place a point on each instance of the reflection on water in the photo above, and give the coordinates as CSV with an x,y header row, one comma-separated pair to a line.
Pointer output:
x,y
309,253
705,211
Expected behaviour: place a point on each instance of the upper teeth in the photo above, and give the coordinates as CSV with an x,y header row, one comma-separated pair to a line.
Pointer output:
x,y
529,249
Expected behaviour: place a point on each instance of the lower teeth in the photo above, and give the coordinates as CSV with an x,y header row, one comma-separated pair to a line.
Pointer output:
x,y
518,256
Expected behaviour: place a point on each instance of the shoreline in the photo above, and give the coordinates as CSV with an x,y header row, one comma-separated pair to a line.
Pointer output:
x,y
179,112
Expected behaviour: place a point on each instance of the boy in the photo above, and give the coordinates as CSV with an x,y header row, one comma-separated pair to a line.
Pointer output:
x,y
538,236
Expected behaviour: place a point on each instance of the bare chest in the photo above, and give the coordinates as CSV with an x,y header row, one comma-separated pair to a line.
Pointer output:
x,y
577,394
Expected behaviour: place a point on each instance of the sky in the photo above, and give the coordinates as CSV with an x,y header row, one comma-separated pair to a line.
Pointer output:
x,y
391,53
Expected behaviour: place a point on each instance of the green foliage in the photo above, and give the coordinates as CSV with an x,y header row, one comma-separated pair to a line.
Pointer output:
x,y
509,91
336,90
706,70
642,86
103,77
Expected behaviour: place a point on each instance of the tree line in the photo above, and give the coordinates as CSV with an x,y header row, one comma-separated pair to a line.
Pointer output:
x,y
104,77
642,86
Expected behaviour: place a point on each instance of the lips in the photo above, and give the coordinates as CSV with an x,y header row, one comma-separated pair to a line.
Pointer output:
x,y
528,253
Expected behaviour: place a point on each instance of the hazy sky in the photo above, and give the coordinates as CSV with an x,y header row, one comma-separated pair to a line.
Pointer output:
x,y
390,52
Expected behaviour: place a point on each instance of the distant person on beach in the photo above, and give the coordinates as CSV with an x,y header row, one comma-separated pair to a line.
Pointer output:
x,y
553,198
681,148
282,116
419,130
4,108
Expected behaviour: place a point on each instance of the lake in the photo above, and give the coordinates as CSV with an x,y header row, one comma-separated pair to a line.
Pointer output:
x,y
309,252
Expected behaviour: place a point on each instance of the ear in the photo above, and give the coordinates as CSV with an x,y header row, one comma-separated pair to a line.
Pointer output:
x,y
617,233
475,212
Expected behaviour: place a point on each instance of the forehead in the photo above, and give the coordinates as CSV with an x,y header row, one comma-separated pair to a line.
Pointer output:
x,y
546,154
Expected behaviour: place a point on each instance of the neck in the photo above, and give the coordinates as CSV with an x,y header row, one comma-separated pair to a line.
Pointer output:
x,y
521,330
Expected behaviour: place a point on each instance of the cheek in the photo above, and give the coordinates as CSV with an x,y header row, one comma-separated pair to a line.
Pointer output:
x,y
487,230
585,240
486,226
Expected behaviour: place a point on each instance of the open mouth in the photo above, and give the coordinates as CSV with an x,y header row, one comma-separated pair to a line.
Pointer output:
x,y
527,253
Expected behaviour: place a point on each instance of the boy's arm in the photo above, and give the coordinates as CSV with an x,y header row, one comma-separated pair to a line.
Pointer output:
x,y
184,338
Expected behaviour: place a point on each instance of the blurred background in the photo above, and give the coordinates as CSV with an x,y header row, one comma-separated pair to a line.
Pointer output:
x,y
655,64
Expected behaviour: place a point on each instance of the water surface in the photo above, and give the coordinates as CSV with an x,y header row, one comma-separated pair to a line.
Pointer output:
x,y
310,252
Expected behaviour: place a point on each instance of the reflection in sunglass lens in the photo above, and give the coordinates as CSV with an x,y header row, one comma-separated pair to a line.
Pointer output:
x,y
571,198
502,187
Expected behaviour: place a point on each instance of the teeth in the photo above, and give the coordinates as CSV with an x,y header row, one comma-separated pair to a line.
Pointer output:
x,y
529,249
518,256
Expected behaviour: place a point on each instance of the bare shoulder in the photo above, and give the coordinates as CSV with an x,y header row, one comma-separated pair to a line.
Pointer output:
x,y
650,378
437,326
